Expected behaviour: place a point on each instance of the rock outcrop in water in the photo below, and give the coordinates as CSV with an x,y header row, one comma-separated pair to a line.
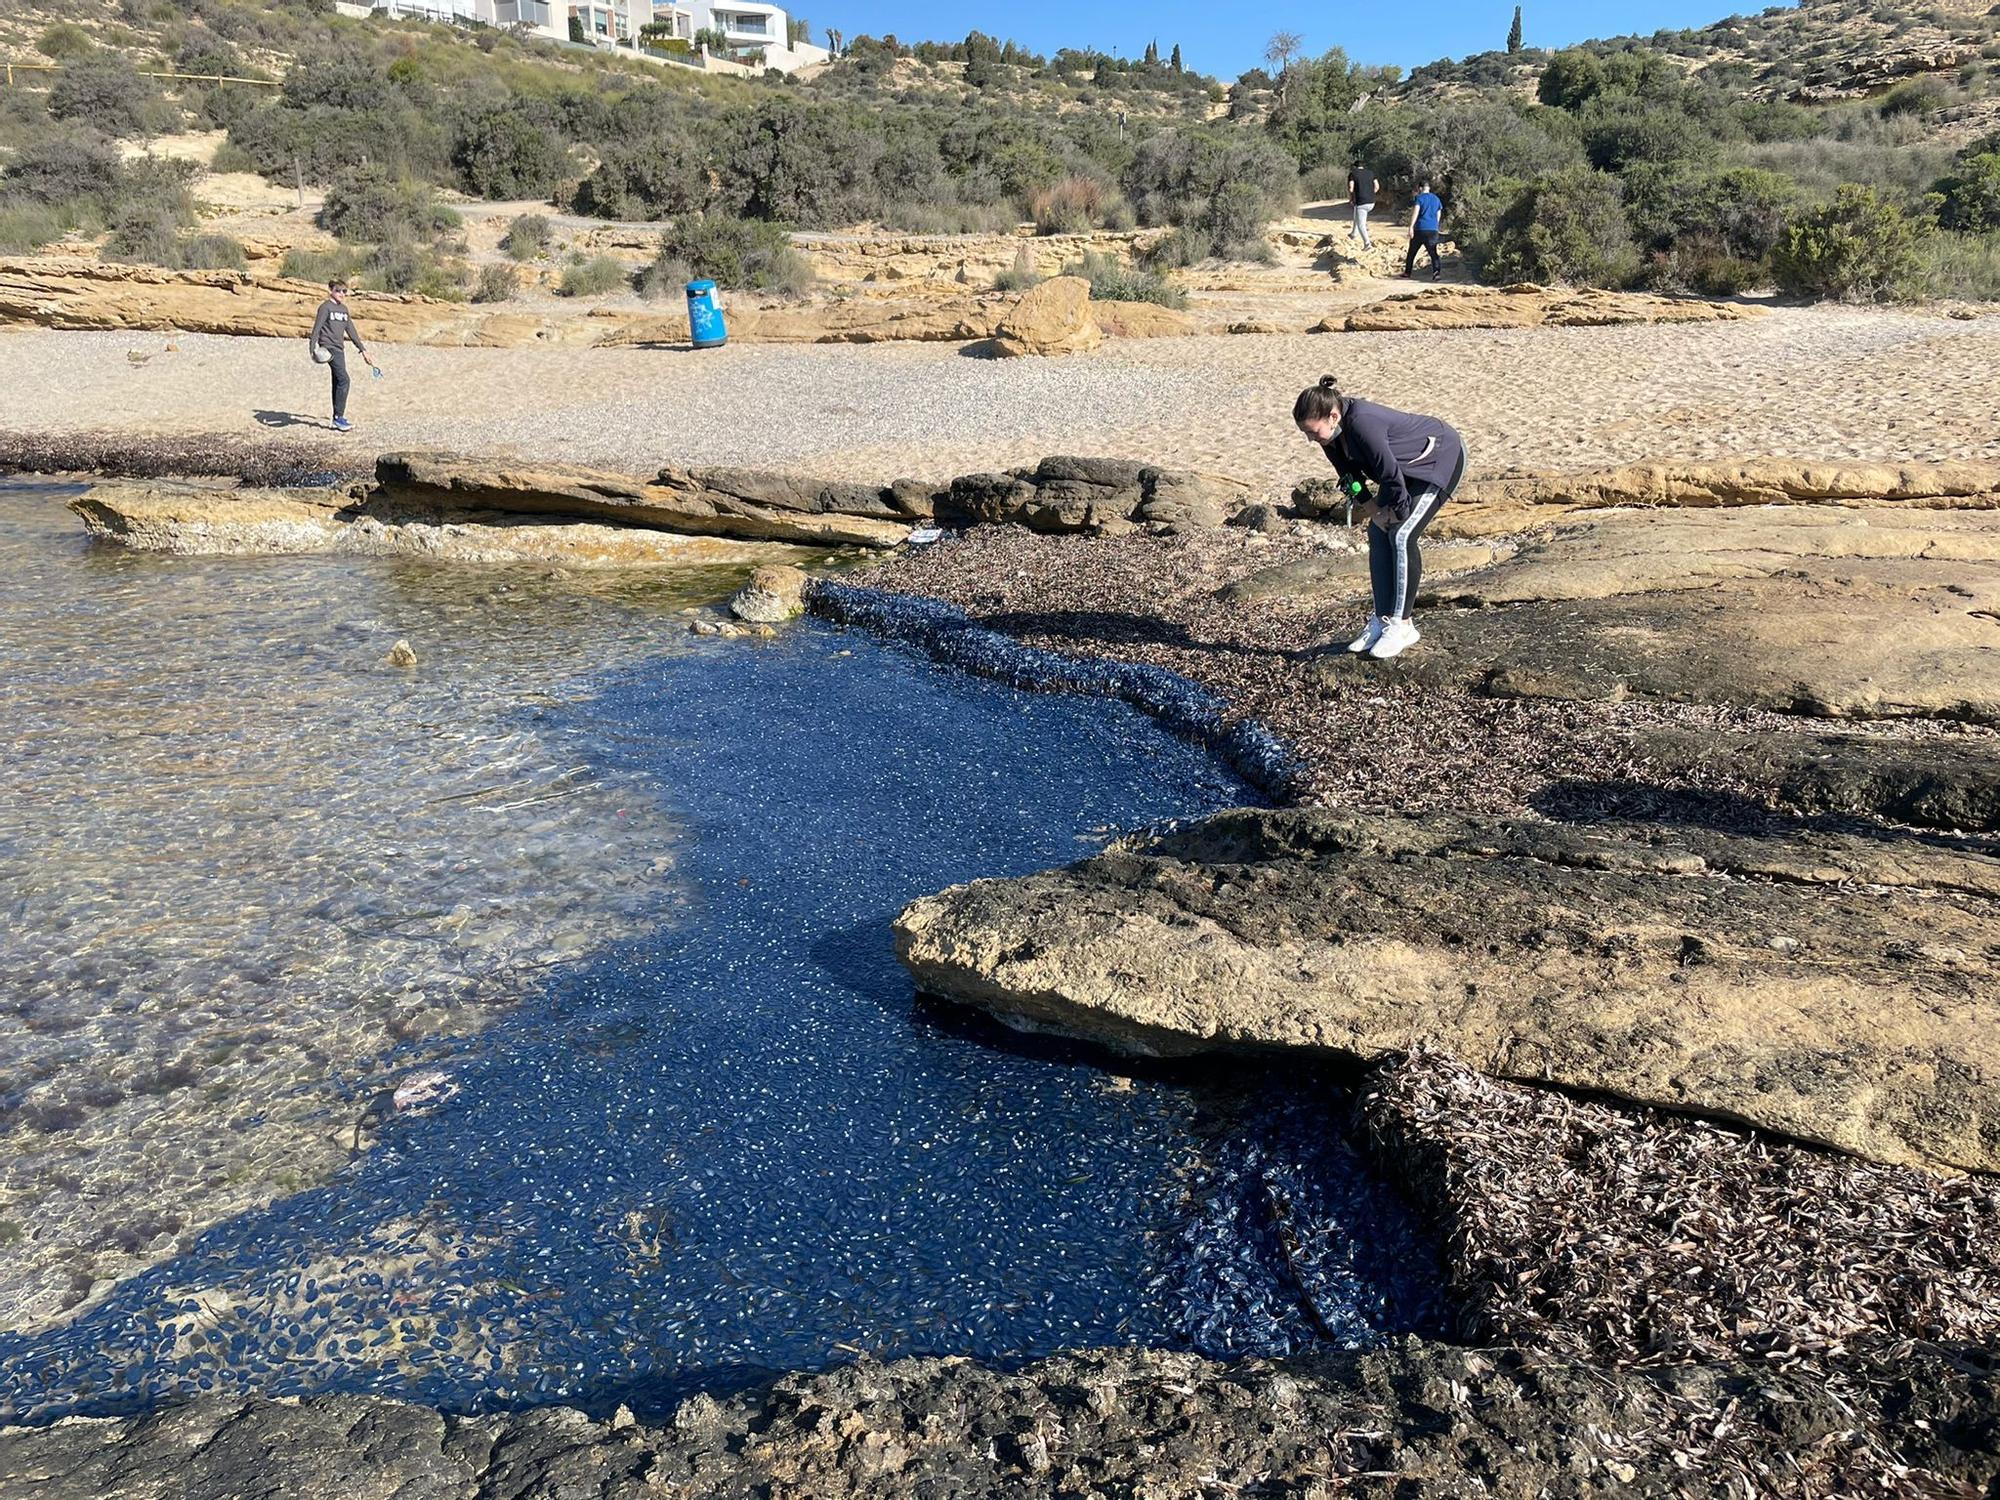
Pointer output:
x,y
1835,988
206,520
1416,1419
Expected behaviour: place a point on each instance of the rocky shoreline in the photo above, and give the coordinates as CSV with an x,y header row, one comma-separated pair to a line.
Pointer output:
x,y
1651,783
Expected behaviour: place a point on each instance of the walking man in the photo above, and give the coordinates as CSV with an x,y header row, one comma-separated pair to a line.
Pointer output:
x,y
1360,198
1426,219
332,330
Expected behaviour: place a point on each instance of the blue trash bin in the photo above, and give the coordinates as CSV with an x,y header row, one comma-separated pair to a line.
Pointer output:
x,y
705,316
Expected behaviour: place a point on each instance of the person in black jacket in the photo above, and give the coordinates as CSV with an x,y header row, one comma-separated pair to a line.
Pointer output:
x,y
1413,463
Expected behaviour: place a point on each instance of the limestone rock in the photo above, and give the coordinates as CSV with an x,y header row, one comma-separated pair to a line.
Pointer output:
x,y
1097,495
402,654
772,595
1948,782
208,520
676,501
1526,305
1107,1422
1051,318
1760,481
1142,320
71,293
1840,613
1628,960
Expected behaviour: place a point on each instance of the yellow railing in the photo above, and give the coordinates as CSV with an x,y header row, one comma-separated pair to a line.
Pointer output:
x,y
11,68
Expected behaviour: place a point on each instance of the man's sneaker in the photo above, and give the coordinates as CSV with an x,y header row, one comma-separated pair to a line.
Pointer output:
x,y
1397,637
341,424
1368,637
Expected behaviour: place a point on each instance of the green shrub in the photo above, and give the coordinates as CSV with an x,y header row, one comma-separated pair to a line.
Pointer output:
x,y
1703,264
64,168
104,92
527,236
496,283
1019,276
1738,212
1620,132
657,177
1964,266
212,252
1861,247
338,264
740,254
1970,196
28,227
594,278
147,234
375,204
501,153
1074,205
1228,184
64,41
230,157
1569,228
401,265
1111,280
1186,246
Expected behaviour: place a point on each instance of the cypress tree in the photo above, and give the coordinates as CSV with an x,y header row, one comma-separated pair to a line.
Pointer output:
x,y
1514,32
1175,64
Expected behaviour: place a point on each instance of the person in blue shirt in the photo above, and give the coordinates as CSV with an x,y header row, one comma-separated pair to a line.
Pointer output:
x,y
1426,219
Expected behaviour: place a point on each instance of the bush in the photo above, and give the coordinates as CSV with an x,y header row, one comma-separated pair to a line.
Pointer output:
x,y
1186,246
1742,210
1021,275
374,204
104,92
212,252
1113,281
1568,228
338,264
657,177
1229,185
230,157
1074,205
1620,132
593,278
27,227
500,153
401,265
740,254
63,169
145,233
495,284
1960,265
1861,247
526,237
1970,196
64,41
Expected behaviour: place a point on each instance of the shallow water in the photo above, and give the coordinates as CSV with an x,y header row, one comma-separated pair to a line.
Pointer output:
x,y
253,876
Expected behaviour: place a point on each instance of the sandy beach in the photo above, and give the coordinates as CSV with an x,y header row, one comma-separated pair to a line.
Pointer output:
x,y
1810,383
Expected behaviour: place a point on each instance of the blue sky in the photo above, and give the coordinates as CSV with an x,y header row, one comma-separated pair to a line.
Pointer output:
x,y
1224,40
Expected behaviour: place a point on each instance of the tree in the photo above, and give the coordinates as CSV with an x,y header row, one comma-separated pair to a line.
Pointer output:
x,y
833,40
1279,52
1152,52
1514,32
1174,62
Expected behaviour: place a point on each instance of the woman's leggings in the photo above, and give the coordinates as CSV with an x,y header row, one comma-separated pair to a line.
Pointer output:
x,y
340,382
1395,561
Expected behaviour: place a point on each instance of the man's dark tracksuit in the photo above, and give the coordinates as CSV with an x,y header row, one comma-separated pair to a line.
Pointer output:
x,y
332,329
1414,463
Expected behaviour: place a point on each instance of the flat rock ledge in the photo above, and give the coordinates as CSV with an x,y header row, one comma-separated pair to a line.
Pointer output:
x,y
1415,1419
455,507
1832,988
1527,305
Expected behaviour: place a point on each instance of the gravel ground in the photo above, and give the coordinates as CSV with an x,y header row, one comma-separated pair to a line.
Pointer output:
x,y
1822,382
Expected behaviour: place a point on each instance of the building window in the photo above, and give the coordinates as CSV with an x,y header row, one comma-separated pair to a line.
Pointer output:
x,y
754,25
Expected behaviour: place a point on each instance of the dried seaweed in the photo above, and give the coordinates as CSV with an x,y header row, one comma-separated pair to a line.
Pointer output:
x,y
270,462
1628,1236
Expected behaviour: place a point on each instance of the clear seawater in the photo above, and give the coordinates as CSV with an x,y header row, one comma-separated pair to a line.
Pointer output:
x,y
630,890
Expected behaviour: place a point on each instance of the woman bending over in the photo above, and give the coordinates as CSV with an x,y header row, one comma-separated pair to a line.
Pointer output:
x,y
1414,463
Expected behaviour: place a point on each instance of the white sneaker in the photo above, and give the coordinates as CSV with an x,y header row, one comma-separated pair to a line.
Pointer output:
x,y
1396,638
1368,637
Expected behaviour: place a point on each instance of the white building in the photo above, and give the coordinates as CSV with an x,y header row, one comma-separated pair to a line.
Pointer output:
x,y
748,26
751,25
